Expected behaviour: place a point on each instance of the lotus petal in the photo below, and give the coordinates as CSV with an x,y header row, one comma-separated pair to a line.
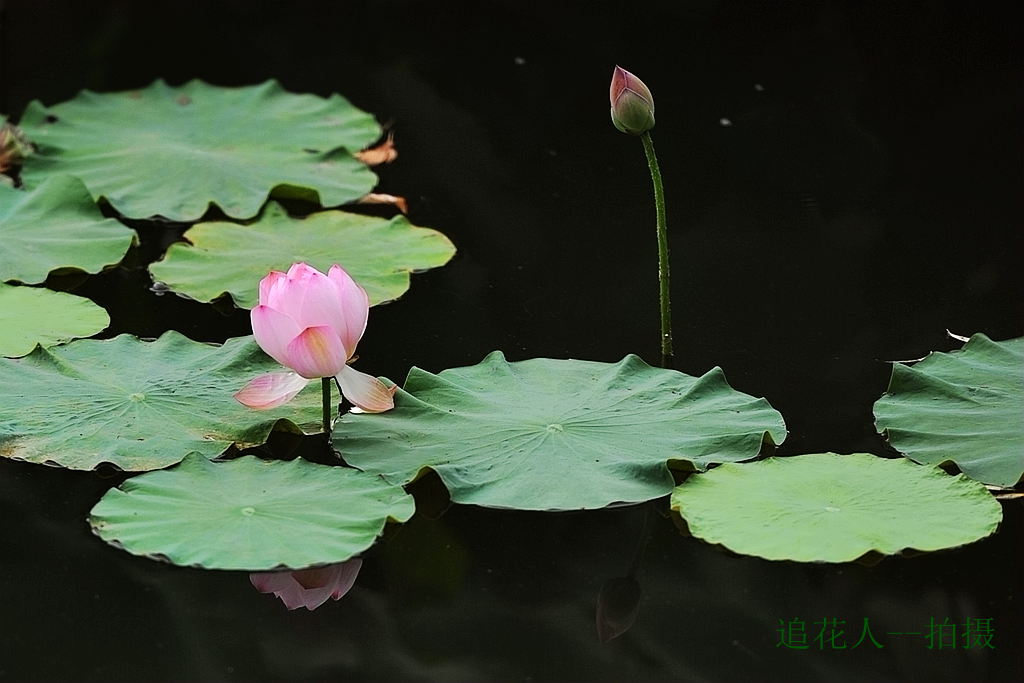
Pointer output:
x,y
271,390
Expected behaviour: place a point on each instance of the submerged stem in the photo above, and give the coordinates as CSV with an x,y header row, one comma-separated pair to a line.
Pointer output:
x,y
663,267
645,537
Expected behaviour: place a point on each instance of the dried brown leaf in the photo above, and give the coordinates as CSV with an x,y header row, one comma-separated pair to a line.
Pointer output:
x,y
376,198
384,153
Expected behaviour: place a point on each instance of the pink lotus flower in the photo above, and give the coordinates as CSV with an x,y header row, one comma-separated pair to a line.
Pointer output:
x,y
309,588
311,323
632,103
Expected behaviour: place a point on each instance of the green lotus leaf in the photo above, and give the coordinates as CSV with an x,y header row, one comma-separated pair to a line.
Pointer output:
x,y
173,151
547,434
228,258
56,226
962,407
31,315
834,508
249,514
137,405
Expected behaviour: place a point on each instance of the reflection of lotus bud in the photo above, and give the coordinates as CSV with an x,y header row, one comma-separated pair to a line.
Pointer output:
x,y
632,103
14,146
618,603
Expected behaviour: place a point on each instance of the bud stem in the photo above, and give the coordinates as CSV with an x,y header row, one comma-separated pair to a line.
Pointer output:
x,y
663,268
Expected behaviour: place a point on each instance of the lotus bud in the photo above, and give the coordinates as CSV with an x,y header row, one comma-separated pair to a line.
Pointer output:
x,y
632,103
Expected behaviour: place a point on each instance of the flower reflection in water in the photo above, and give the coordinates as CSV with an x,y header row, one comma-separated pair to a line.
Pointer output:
x,y
309,588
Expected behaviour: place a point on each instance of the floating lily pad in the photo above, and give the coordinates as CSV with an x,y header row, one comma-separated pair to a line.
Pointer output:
x,y
834,508
963,407
56,226
547,434
227,258
31,315
137,405
173,151
249,514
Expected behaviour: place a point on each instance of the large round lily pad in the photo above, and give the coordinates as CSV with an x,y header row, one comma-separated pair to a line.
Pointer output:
x,y
173,151
547,434
249,514
32,315
965,407
834,508
137,405
227,258
56,226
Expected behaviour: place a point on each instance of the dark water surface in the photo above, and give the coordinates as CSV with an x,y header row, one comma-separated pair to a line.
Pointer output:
x,y
843,184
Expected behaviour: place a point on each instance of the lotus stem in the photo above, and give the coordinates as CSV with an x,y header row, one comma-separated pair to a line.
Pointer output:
x,y
325,383
663,266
